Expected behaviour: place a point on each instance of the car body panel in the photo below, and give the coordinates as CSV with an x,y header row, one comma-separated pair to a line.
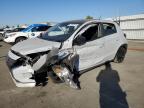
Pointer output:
x,y
38,45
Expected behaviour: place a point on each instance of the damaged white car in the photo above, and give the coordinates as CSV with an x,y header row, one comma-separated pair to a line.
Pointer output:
x,y
65,51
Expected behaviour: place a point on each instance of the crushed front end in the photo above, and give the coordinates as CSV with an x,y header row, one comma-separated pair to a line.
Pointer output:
x,y
26,69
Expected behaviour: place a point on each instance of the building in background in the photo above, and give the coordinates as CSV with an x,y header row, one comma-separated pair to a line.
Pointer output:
x,y
132,26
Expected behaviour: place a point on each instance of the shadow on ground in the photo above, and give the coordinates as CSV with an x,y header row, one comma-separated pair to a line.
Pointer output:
x,y
111,94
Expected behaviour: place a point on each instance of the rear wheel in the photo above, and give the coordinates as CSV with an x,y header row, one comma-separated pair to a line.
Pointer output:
x,y
120,55
20,39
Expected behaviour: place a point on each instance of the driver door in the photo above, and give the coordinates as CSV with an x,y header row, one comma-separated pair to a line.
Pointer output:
x,y
91,52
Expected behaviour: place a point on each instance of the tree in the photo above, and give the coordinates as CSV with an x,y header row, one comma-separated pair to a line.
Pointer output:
x,y
89,17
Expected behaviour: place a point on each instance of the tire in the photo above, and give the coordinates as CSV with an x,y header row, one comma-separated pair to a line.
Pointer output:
x,y
120,55
20,39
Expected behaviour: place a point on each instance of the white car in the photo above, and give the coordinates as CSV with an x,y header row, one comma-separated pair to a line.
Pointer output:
x,y
65,51
3,31
32,31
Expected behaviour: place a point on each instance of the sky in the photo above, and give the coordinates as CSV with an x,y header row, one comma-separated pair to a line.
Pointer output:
x,y
14,12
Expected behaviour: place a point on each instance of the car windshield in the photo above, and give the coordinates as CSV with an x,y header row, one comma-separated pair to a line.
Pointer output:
x,y
60,32
27,29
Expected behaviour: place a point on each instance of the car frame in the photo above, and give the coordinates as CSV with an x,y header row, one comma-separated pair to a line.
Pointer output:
x,y
67,59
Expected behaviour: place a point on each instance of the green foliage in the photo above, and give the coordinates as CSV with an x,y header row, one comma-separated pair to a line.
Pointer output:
x,y
88,17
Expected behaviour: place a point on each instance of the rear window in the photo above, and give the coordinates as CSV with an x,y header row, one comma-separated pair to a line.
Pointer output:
x,y
108,29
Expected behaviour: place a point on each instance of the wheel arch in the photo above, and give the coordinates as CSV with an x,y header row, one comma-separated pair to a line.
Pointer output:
x,y
20,37
121,46
124,46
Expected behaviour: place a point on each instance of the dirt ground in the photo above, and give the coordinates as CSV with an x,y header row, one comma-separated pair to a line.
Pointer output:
x,y
116,86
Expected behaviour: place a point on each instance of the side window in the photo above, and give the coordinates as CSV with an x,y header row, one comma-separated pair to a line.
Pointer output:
x,y
87,34
34,29
42,28
91,33
108,29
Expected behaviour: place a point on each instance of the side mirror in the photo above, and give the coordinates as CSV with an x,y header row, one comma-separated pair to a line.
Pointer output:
x,y
80,40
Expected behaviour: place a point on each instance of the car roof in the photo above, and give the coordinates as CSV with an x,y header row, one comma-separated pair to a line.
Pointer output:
x,y
82,21
76,21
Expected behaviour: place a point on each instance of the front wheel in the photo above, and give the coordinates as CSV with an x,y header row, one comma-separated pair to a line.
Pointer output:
x,y
64,73
120,55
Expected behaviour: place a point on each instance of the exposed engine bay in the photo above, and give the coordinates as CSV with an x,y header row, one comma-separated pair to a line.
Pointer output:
x,y
33,69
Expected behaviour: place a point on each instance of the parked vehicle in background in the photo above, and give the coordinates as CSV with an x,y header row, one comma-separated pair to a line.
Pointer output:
x,y
15,30
9,30
32,31
66,50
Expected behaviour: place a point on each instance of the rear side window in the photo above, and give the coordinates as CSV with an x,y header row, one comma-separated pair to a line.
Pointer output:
x,y
108,29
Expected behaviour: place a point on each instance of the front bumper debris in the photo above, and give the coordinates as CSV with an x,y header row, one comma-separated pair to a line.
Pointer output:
x,y
21,75
24,70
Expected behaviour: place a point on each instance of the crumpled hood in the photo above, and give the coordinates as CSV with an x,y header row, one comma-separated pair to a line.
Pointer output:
x,y
34,45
